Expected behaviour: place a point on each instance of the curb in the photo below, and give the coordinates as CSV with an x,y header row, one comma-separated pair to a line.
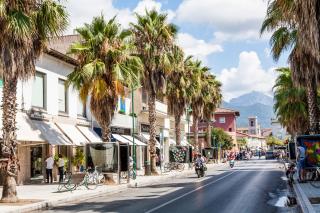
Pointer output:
x,y
303,200
133,184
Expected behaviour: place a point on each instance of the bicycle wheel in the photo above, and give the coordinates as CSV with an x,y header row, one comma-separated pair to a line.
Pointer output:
x,y
167,167
101,179
180,167
91,182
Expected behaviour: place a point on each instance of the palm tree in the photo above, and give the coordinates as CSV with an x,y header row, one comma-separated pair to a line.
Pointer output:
x,y
290,103
153,38
284,20
214,98
106,65
179,87
199,97
25,27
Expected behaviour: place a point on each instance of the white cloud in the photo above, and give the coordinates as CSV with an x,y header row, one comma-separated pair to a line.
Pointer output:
x,y
82,11
248,76
231,19
200,49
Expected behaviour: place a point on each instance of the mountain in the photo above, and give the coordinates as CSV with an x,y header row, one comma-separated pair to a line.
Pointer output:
x,y
252,104
252,98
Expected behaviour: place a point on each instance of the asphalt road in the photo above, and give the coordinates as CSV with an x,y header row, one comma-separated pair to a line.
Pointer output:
x,y
253,186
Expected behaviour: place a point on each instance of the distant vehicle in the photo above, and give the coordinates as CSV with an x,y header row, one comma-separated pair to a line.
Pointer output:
x,y
269,155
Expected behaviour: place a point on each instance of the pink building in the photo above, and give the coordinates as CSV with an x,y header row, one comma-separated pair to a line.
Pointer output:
x,y
224,119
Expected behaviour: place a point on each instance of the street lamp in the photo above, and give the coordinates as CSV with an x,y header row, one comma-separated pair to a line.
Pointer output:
x,y
134,155
188,120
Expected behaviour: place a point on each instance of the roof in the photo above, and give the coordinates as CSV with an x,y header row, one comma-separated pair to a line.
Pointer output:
x,y
226,111
62,43
266,132
58,47
242,128
243,135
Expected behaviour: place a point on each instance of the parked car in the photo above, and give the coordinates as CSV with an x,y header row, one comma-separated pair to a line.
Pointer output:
x,y
270,155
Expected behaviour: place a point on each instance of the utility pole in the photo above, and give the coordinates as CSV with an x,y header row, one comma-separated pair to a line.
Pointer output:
x,y
134,175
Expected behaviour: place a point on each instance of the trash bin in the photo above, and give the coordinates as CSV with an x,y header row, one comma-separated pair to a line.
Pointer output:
x,y
147,168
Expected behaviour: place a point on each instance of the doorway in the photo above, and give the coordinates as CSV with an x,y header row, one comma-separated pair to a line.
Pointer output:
x,y
36,162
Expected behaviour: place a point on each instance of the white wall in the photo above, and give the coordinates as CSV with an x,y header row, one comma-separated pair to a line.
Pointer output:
x,y
54,69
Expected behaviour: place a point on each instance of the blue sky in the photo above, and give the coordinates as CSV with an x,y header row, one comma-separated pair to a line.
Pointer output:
x,y
224,34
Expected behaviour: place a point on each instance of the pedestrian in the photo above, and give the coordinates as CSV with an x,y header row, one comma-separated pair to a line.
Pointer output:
x,y
301,155
49,167
61,167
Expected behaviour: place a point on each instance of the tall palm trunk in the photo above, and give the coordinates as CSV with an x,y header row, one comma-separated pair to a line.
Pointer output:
x,y
177,122
152,131
313,110
106,133
9,144
195,134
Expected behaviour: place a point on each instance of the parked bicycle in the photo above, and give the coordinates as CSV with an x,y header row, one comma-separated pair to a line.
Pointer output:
x,y
88,179
313,177
173,166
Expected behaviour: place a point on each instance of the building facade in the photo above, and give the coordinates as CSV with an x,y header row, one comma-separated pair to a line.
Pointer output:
x,y
223,118
278,131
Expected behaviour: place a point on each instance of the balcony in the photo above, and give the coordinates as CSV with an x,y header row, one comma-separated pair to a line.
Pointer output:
x,y
120,120
161,108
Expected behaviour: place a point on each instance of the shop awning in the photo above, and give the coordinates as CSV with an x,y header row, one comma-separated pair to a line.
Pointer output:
x,y
26,131
90,134
73,134
147,137
121,139
136,141
51,133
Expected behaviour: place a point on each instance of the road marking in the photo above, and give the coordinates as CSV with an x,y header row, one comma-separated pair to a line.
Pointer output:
x,y
181,196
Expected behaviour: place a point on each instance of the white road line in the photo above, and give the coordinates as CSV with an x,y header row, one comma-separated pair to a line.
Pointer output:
x,y
177,198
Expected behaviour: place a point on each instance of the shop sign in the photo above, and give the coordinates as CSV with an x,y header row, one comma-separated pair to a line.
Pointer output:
x,y
145,128
121,131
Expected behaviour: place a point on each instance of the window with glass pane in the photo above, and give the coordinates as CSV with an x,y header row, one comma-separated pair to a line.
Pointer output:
x,y
38,94
81,109
62,98
122,104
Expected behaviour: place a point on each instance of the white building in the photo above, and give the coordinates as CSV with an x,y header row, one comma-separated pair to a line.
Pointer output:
x,y
278,131
51,119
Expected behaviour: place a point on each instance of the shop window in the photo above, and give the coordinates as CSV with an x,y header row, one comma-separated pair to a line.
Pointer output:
x,y
38,91
62,96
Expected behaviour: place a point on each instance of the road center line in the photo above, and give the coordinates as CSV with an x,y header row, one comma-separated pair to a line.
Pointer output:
x,y
181,196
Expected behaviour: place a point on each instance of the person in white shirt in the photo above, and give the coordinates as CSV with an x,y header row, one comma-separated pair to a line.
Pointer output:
x,y
49,168
61,168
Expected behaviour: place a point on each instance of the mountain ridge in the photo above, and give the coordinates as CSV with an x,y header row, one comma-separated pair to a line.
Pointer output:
x,y
252,104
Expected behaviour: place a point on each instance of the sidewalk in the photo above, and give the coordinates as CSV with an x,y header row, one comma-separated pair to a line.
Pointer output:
x,y
48,196
304,192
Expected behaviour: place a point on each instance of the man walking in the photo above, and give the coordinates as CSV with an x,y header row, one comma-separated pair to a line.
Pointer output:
x,y
49,168
301,154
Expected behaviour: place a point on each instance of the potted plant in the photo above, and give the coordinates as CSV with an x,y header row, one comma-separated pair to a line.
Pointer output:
x,y
78,158
121,111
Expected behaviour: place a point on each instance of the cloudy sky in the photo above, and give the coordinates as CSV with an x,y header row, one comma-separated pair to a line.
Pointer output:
x,y
224,34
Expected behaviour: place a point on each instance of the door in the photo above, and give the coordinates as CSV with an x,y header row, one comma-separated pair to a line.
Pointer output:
x,y
36,162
